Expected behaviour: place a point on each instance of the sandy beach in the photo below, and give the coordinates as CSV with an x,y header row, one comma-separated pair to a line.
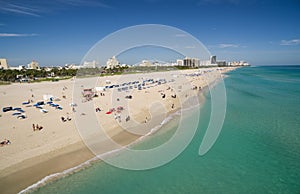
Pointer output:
x,y
65,129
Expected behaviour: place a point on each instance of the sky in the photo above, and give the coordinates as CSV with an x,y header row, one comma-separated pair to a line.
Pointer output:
x,y
58,32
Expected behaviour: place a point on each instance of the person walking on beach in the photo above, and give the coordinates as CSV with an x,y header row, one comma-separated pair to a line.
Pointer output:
x,y
33,127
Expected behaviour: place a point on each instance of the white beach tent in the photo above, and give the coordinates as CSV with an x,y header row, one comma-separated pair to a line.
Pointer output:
x,y
100,89
47,97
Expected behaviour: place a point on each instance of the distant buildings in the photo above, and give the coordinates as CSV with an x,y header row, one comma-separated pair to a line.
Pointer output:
x,y
149,63
3,64
89,64
33,65
146,63
195,62
238,63
72,66
222,63
191,62
112,63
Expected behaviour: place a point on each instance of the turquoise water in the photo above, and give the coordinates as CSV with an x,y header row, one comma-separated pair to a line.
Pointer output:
x,y
258,150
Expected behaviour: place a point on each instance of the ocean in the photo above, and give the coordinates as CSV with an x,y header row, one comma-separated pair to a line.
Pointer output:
x,y
257,151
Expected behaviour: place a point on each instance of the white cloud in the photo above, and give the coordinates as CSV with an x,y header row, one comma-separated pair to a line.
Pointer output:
x,y
234,2
180,35
290,42
228,46
189,47
16,35
91,3
37,8
19,9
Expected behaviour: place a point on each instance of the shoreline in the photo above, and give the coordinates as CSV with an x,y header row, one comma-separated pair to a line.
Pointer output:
x,y
94,159
35,169
45,165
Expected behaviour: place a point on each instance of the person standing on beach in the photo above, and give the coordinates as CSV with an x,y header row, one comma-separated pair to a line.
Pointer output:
x,y
33,127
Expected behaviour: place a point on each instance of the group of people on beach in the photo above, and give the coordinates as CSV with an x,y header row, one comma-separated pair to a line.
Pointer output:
x,y
37,127
63,119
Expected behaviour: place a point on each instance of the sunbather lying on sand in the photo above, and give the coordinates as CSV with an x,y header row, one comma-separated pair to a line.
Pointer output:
x,y
5,142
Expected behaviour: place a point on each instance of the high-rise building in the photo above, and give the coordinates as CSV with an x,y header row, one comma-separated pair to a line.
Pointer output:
x,y
213,60
179,62
112,63
3,64
191,62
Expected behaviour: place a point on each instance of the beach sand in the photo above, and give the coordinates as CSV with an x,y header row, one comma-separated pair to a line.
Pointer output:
x,y
60,145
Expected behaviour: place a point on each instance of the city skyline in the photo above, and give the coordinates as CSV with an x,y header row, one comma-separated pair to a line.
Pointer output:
x,y
60,32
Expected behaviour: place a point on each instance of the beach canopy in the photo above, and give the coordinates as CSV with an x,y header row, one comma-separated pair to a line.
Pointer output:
x,y
88,92
5,109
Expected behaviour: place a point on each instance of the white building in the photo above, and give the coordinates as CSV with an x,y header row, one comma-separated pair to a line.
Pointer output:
x,y
3,64
191,62
33,65
89,64
179,62
72,66
20,67
146,63
238,63
112,63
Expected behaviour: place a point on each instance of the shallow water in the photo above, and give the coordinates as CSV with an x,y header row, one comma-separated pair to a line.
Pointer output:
x,y
258,150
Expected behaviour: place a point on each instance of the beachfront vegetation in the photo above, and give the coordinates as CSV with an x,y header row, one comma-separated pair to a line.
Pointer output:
x,y
14,75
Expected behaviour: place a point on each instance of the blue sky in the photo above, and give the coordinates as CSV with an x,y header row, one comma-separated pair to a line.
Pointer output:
x,y
62,31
